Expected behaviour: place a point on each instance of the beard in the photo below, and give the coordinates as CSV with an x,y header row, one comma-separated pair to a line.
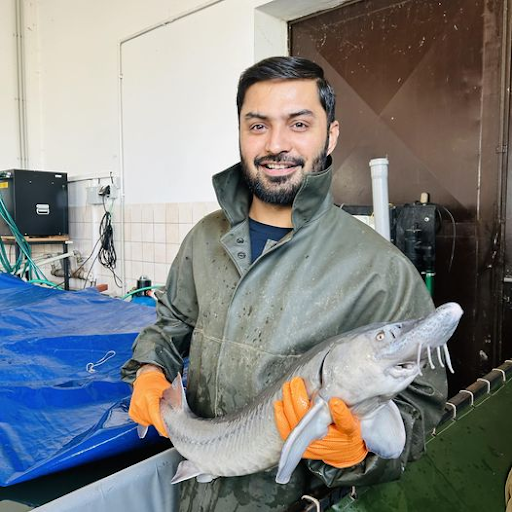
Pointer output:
x,y
280,190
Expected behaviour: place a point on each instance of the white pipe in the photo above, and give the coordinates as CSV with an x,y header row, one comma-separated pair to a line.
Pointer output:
x,y
379,170
44,261
122,181
20,69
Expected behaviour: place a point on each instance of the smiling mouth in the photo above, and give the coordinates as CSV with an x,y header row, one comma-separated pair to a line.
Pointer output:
x,y
279,169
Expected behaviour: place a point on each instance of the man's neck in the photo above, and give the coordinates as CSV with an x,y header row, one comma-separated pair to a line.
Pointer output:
x,y
271,214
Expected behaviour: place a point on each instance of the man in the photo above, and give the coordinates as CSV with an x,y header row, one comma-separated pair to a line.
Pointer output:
x,y
277,270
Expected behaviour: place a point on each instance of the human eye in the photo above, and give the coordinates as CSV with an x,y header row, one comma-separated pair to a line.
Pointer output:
x,y
257,127
299,126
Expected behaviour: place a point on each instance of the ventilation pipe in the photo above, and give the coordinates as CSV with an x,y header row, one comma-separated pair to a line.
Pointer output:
x,y
379,170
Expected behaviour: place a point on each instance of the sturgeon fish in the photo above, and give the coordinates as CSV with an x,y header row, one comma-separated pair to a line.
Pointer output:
x,y
365,367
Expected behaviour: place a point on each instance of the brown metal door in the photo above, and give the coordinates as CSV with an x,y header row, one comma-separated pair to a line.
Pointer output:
x,y
421,82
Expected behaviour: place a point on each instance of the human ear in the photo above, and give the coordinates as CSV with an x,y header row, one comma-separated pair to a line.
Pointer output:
x,y
333,134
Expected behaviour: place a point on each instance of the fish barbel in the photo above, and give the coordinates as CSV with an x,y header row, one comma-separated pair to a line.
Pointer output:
x,y
365,368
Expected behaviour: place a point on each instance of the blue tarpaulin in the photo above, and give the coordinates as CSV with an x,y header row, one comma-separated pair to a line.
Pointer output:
x,y
62,401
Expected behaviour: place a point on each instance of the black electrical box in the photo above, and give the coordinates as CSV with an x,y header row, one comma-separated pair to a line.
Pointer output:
x,y
413,229
416,228
37,201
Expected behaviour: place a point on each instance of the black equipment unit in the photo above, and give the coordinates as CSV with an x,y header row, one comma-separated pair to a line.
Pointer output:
x,y
415,234
413,229
36,200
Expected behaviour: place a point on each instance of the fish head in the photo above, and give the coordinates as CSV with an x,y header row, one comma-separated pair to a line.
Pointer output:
x,y
383,359
419,336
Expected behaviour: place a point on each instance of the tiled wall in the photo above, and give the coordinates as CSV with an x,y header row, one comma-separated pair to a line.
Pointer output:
x,y
153,234
152,237
84,223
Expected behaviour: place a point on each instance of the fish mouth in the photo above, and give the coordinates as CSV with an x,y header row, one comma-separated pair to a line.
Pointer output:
x,y
407,365
404,369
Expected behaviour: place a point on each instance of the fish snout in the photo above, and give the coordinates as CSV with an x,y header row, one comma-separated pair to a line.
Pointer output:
x,y
419,339
434,333
451,308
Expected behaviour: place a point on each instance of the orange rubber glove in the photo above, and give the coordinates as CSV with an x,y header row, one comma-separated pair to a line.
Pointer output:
x,y
342,447
148,389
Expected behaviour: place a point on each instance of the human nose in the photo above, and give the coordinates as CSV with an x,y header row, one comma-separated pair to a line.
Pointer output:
x,y
278,141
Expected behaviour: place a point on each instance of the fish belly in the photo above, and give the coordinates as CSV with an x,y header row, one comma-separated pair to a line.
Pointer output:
x,y
244,444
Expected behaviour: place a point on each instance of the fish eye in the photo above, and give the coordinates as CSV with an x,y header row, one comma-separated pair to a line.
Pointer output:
x,y
380,336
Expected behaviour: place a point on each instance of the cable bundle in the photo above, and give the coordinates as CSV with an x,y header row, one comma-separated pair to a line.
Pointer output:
x,y
107,253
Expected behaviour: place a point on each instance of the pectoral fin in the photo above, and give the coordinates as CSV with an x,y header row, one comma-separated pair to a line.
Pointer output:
x,y
174,396
142,431
384,431
187,469
312,426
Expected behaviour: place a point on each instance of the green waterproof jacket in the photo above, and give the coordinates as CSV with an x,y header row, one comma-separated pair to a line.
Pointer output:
x,y
244,324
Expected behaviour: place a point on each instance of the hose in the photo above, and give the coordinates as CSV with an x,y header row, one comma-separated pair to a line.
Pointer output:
x,y
24,263
45,281
129,294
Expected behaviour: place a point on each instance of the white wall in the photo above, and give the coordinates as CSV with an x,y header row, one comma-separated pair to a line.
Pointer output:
x,y
78,80
9,150
178,103
78,54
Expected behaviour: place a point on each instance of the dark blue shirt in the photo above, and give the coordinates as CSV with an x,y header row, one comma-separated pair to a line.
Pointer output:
x,y
260,233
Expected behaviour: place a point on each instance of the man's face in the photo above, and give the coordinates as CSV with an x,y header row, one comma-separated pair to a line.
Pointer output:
x,y
283,136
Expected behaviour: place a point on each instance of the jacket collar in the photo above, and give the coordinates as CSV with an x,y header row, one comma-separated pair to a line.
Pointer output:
x,y
312,199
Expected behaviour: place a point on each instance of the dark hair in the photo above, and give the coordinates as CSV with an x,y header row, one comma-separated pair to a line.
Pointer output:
x,y
288,68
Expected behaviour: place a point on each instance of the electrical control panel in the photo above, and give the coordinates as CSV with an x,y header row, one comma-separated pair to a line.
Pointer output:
x,y
416,228
37,201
